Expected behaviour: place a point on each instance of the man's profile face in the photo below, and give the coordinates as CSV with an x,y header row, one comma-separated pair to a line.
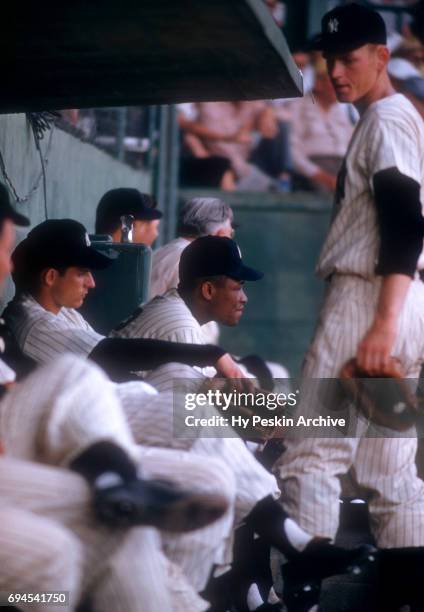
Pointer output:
x,y
145,232
228,301
7,242
70,289
353,74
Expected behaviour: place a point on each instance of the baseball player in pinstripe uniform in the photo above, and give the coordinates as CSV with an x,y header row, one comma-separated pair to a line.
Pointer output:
x,y
125,201
374,301
210,290
211,276
198,217
150,415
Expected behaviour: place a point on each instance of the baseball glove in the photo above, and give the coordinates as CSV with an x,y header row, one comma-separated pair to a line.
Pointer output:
x,y
385,399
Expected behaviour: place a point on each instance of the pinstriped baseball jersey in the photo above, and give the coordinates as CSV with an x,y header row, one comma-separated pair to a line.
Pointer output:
x,y
389,134
43,335
166,317
165,276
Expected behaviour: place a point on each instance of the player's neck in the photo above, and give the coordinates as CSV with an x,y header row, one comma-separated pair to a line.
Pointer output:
x,y
197,308
46,301
382,89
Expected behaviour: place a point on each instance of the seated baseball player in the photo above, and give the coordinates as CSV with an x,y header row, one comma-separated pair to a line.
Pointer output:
x,y
124,201
67,414
198,217
211,279
52,276
49,287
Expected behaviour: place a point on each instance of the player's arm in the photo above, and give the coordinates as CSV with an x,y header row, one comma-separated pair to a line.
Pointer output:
x,y
118,356
400,221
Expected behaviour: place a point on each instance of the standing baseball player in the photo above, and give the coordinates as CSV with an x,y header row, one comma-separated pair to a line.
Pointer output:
x,y
374,302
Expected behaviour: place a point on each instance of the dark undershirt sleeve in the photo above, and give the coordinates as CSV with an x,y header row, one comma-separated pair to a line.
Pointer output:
x,y
13,355
400,222
120,356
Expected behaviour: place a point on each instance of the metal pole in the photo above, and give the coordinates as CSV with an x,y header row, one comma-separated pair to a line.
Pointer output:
x,y
121,128
166,175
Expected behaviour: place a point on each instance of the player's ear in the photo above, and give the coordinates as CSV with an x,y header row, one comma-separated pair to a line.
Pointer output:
x,y
207,290
48,276
383,57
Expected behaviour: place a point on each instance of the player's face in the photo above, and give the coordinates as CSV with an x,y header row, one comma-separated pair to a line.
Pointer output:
x,y
70,288
228,301
145,232
354,74
7,242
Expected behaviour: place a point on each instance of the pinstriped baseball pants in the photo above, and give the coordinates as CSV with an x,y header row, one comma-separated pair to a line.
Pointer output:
x,y
152,423
63,408
383,467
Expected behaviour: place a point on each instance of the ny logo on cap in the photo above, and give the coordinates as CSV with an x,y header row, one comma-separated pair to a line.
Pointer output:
x,y
333,26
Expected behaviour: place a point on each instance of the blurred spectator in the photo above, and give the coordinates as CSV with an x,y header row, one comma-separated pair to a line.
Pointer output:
x,y
413,89
245,133
412,50
399,70
197,166
321,130
70,115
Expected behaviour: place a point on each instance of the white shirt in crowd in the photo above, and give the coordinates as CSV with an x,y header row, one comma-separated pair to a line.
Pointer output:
x,y
317,132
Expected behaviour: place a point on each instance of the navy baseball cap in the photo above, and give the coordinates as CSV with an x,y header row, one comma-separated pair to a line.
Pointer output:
x,y
349,27
125,201
57,243
214,256
7,211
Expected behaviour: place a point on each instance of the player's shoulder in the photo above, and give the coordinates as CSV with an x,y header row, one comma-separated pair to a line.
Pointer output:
x,y
396,111
163,304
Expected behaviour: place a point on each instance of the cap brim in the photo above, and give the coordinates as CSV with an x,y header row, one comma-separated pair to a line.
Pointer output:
x,y
149,214
93,260
247,274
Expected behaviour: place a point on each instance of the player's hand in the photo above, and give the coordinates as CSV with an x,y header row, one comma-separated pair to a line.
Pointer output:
x,y
227,368
375,349
325,179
